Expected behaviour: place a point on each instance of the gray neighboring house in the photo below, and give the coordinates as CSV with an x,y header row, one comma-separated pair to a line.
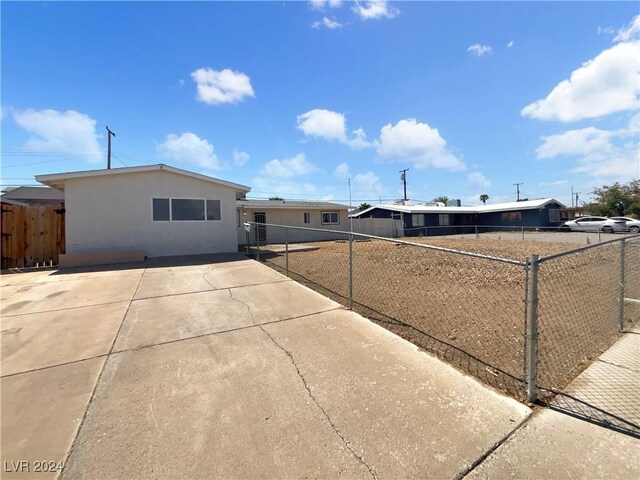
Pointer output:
x,y
43,196
294,213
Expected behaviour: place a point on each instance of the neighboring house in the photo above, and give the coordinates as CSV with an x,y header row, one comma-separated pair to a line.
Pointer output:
x,y
324,215
416,219
153,210
44,196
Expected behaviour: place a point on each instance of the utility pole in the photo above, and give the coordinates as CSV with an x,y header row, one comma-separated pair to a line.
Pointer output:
x,y
403,179
572,205
518,190
577,193
109,135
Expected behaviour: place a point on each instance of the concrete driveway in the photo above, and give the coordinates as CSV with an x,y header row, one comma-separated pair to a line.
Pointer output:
x,y
221,367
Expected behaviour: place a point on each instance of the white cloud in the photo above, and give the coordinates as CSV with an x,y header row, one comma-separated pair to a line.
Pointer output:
x,y
319,123
332,126
480,50
322,4
284,178
606,84
68,132
556,183
342,171
600,153
418,143
629,32
477,180
606,31
239,157
327,23
189,149
366,185
224,86
511,44
374,9
584,141
288,168
359,140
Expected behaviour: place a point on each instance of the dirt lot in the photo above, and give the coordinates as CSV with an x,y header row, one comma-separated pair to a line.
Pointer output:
x,y
471,311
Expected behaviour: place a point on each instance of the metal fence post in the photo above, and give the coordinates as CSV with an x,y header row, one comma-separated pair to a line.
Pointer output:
x,y
286,250
532,330
477,234
350,271
257,247
622,285
523,233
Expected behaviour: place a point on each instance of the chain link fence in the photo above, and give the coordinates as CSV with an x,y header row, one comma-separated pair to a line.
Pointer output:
x,y
525,326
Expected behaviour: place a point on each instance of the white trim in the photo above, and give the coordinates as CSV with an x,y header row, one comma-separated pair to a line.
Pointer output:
x,y
56,180
337,212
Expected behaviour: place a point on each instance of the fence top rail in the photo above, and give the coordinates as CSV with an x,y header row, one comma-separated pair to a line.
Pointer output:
x,y
586,247
402,242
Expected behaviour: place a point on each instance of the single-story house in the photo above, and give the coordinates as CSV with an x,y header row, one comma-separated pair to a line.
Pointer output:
x,y
152,210
294,213
417,219
44,196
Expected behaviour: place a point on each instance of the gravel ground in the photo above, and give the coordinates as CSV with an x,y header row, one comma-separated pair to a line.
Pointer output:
x,y
470,311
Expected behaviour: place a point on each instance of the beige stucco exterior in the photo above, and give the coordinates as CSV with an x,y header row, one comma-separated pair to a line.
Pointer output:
x,y
114,212
291,217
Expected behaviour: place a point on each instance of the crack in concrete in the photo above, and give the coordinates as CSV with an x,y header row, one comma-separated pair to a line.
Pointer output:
x,y
308,389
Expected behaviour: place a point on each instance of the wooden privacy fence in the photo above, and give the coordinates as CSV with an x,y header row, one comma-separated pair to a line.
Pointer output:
x,y
31,235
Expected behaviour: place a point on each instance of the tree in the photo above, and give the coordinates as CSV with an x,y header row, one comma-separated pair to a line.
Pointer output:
x,y
442,198
483,198
364,206
616,199
274,199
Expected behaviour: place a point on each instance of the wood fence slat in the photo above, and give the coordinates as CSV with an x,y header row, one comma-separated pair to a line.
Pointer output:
x,y
31,235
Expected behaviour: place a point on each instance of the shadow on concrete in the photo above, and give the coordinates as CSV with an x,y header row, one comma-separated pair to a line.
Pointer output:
x,y
580,409
455,356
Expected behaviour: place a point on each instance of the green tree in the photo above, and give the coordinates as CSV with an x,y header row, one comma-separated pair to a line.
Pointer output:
x,y
442,198
274,199
616,199
483,198
364,206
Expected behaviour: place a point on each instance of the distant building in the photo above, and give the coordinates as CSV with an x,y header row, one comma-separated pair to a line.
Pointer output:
x,y
436,219
45,196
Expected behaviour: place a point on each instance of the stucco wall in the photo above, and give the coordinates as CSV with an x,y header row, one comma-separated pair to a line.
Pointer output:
x,y
113,212
291,217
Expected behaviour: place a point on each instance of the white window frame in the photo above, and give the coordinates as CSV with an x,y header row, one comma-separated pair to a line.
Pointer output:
x,y
185,221
420,223
444,219
306,218
330,212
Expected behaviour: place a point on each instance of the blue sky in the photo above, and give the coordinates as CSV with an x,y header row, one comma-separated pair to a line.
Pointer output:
x,y
294,98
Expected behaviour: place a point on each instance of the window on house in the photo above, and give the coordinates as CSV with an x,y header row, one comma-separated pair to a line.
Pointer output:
x,y
307,217
213,210
512,216
161,210
554,215
184,209
396,216
330,218
444,219
417,220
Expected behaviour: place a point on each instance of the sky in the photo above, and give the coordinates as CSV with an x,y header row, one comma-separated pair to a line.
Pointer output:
x,y
297,99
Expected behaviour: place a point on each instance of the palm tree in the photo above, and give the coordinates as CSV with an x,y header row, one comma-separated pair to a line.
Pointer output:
x,y
483,198
442,198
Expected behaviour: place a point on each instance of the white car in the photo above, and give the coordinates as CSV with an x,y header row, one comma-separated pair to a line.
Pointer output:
x,y
595,224
632,224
